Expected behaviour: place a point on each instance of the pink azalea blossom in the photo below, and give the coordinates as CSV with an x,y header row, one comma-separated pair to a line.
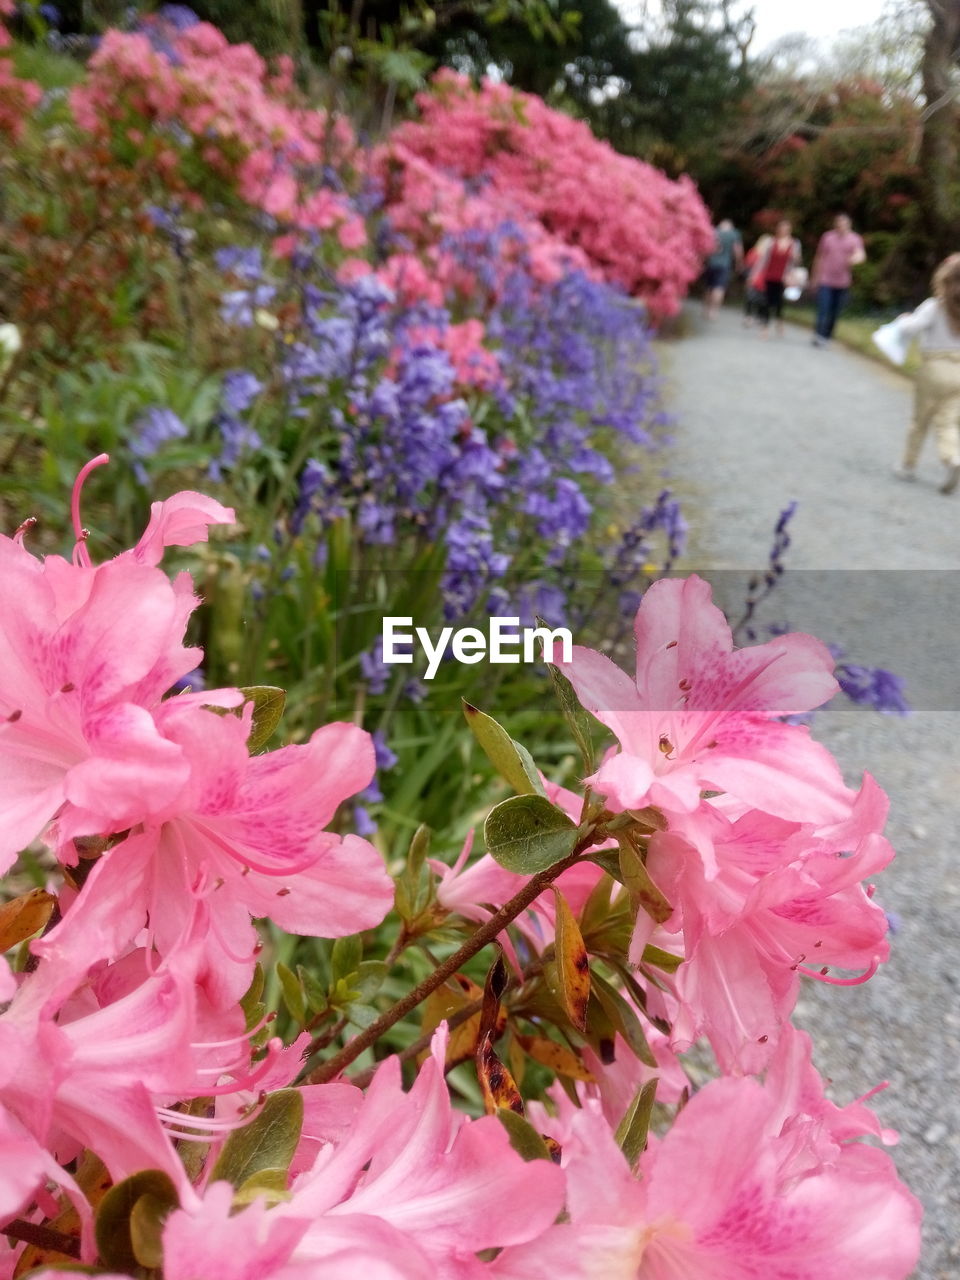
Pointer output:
x,y
99,1068
85,656
701,715
785,899
752,1182
247,835
414,1191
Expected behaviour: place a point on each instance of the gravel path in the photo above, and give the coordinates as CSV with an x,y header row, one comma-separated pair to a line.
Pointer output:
x,y
873,568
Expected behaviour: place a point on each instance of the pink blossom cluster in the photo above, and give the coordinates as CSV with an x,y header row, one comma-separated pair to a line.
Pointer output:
x,y
213,109
761,850
627,220
170,836
431,206
18,97
196,112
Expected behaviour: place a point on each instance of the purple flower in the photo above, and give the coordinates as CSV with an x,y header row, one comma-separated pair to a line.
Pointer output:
x,y
240,389
151,431
873,687
245,264
385,758
237,440
363,824
237,306
373,668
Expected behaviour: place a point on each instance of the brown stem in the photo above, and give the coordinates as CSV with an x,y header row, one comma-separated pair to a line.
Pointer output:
x,y
363,1078
323,1038
476,942
42,1237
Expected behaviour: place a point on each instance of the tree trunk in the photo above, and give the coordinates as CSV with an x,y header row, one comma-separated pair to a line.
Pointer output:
x,y
938,144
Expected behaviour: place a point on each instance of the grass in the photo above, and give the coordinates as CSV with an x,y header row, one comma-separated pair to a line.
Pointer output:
x,y
48,69
855,332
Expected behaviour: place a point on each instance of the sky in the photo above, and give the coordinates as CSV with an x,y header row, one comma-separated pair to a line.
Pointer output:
x,y
821,19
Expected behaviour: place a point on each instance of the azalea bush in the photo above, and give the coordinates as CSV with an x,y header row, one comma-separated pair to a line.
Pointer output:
x,y
509,150
501,1065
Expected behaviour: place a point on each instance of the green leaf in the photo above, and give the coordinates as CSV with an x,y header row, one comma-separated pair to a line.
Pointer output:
x,y
268,702
527,834
270,1184
293,995
315,993
631,1135
661,959
419,848
251,1001
115,1243
596,909
267,1142
579,722
509,758
369,977
346,956
623,1018
147,1218
609,860
524,1139
643,892
361,1015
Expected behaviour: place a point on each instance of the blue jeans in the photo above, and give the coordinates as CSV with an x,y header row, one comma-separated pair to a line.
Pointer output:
x,y
829,305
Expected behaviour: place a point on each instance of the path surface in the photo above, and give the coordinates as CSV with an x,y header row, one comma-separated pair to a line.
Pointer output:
x,y
873,567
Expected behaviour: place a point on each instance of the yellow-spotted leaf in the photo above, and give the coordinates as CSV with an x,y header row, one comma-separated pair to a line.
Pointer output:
x,y
497,1085
573,963
557,1057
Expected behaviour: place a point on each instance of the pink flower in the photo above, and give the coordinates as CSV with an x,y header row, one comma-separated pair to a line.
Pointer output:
x,y
415,1190
95,1068
701,715
752,1182
779,899
85,656
244,833
772,1199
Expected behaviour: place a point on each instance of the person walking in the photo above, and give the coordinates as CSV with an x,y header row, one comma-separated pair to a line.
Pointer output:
x,y
753,287
720,265
936,325
782,255
839,251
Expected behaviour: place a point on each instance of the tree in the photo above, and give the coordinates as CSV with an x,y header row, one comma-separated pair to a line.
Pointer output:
x,y
938,143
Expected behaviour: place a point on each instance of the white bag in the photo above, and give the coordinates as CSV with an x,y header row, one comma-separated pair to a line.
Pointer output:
x,y
892,341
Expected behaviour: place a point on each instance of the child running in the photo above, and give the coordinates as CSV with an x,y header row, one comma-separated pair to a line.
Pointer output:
x,y
936,325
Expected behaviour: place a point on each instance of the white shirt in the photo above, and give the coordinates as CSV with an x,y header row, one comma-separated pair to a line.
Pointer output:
x,y
930,326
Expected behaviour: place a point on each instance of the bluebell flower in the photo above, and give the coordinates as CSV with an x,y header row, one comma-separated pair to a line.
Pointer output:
x,y
363,824
238,439
237,306
244,263
386,758
240,389
149,433
873,687
373,668
193,682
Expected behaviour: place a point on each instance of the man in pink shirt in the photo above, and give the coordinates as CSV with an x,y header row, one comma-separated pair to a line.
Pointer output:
x,y
838,251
